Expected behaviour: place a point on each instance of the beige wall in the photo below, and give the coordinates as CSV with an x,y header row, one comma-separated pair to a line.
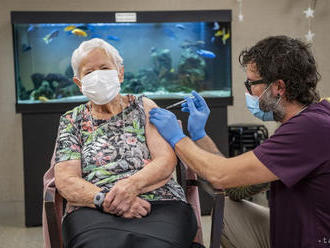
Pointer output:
x,y
262,18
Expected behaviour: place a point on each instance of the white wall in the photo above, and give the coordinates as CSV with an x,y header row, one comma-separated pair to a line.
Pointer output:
x,y
261,18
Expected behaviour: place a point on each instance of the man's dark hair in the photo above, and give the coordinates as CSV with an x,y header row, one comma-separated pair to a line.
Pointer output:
x,y
282,57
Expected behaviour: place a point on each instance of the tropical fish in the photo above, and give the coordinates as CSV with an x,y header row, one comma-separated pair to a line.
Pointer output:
x,y
206,54
213,39
79,32
112,37
180,26
30,28
26,47
168,32
220,32
49,37
69,28
216,26
225,37
43,99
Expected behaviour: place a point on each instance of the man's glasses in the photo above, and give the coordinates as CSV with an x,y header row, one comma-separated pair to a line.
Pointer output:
x,y
248,84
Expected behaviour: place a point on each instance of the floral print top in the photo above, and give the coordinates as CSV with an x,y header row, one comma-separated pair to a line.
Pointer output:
x,y
111,149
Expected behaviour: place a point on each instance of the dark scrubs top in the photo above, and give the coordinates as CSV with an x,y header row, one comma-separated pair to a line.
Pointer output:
x,y
299,154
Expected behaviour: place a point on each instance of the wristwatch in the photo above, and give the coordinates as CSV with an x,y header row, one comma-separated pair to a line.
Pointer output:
x,y
99,199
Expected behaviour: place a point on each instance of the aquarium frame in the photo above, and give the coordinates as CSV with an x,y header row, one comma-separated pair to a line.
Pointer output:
x,y
23,17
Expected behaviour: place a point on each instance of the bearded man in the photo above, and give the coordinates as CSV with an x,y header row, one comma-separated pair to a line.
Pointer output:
x,y
281,85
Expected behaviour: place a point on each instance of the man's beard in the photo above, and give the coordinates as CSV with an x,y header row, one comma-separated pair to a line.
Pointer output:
x,y
268,103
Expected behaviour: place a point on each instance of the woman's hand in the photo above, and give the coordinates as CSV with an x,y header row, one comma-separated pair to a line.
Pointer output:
x,y
121,197
138,209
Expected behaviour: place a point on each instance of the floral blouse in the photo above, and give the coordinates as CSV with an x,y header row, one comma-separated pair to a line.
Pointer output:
x,y
110,149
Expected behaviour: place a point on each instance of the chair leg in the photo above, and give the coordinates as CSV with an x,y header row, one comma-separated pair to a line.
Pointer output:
x,y
217,220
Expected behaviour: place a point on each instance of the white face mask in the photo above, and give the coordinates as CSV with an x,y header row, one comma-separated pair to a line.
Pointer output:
x,y
101,86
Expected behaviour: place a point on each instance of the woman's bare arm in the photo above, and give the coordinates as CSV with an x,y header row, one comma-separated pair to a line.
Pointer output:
x,y
70,184
163,158
79,192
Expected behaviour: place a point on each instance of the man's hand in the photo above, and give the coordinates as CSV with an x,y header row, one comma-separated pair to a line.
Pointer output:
x,y
121,197
198,115
167,125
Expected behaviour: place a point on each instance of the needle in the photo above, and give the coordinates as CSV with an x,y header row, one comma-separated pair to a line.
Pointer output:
x,y
177,103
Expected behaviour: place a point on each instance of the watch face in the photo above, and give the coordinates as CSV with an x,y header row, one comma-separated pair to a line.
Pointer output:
x,y
99,198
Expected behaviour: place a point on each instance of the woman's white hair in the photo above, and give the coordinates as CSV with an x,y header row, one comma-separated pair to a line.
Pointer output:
x,y
86,46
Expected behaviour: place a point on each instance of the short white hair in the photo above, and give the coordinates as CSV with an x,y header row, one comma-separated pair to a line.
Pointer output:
x,y
86,46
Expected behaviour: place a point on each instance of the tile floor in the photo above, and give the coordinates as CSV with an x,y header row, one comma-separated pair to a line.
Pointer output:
x,y
13,233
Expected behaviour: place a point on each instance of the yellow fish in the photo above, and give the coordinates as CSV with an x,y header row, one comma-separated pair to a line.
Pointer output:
x,y
69,28
43,99
219,33
225,37
79,32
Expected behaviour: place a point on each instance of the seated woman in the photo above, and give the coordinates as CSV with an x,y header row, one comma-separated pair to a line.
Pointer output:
x,y
113,167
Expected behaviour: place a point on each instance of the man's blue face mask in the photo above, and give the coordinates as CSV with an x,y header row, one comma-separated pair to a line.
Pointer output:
x,y
252,103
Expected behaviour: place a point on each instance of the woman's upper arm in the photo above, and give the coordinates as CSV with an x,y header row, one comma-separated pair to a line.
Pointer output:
x,y
157,145
68,151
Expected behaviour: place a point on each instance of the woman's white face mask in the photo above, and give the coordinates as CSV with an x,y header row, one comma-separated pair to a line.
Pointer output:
x,y
101,86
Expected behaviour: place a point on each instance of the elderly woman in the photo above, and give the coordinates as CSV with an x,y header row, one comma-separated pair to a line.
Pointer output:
x,y
113,167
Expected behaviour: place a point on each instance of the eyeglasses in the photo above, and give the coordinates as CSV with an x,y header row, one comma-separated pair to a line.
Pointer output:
x,y
248,84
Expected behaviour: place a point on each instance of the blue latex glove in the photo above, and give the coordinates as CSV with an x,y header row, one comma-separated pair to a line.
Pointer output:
x,y
167,125
198,115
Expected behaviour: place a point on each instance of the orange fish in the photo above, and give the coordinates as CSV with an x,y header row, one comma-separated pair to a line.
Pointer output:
x,y
69,28
79,32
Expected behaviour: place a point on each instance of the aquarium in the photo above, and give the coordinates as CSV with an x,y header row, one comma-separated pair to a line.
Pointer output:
x,y
166,54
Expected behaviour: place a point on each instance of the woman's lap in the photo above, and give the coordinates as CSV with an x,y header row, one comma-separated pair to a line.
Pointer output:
x,y
170,224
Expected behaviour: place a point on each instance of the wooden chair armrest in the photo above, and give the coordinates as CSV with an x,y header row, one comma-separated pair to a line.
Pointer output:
x,y
209,188
206,186
50,196
52,218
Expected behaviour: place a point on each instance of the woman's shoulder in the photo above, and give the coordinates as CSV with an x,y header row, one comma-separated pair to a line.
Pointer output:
x,y
147,103
75,114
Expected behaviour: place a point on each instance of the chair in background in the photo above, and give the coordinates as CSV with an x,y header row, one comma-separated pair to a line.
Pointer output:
x,y
53,205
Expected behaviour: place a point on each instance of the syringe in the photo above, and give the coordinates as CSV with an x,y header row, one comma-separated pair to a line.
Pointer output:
x,y
177,103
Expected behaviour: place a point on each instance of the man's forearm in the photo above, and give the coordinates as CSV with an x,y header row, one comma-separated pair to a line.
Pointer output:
x,y
221,172
207,144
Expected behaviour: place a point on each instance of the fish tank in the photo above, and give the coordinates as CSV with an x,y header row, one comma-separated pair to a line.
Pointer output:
x,y
166,54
